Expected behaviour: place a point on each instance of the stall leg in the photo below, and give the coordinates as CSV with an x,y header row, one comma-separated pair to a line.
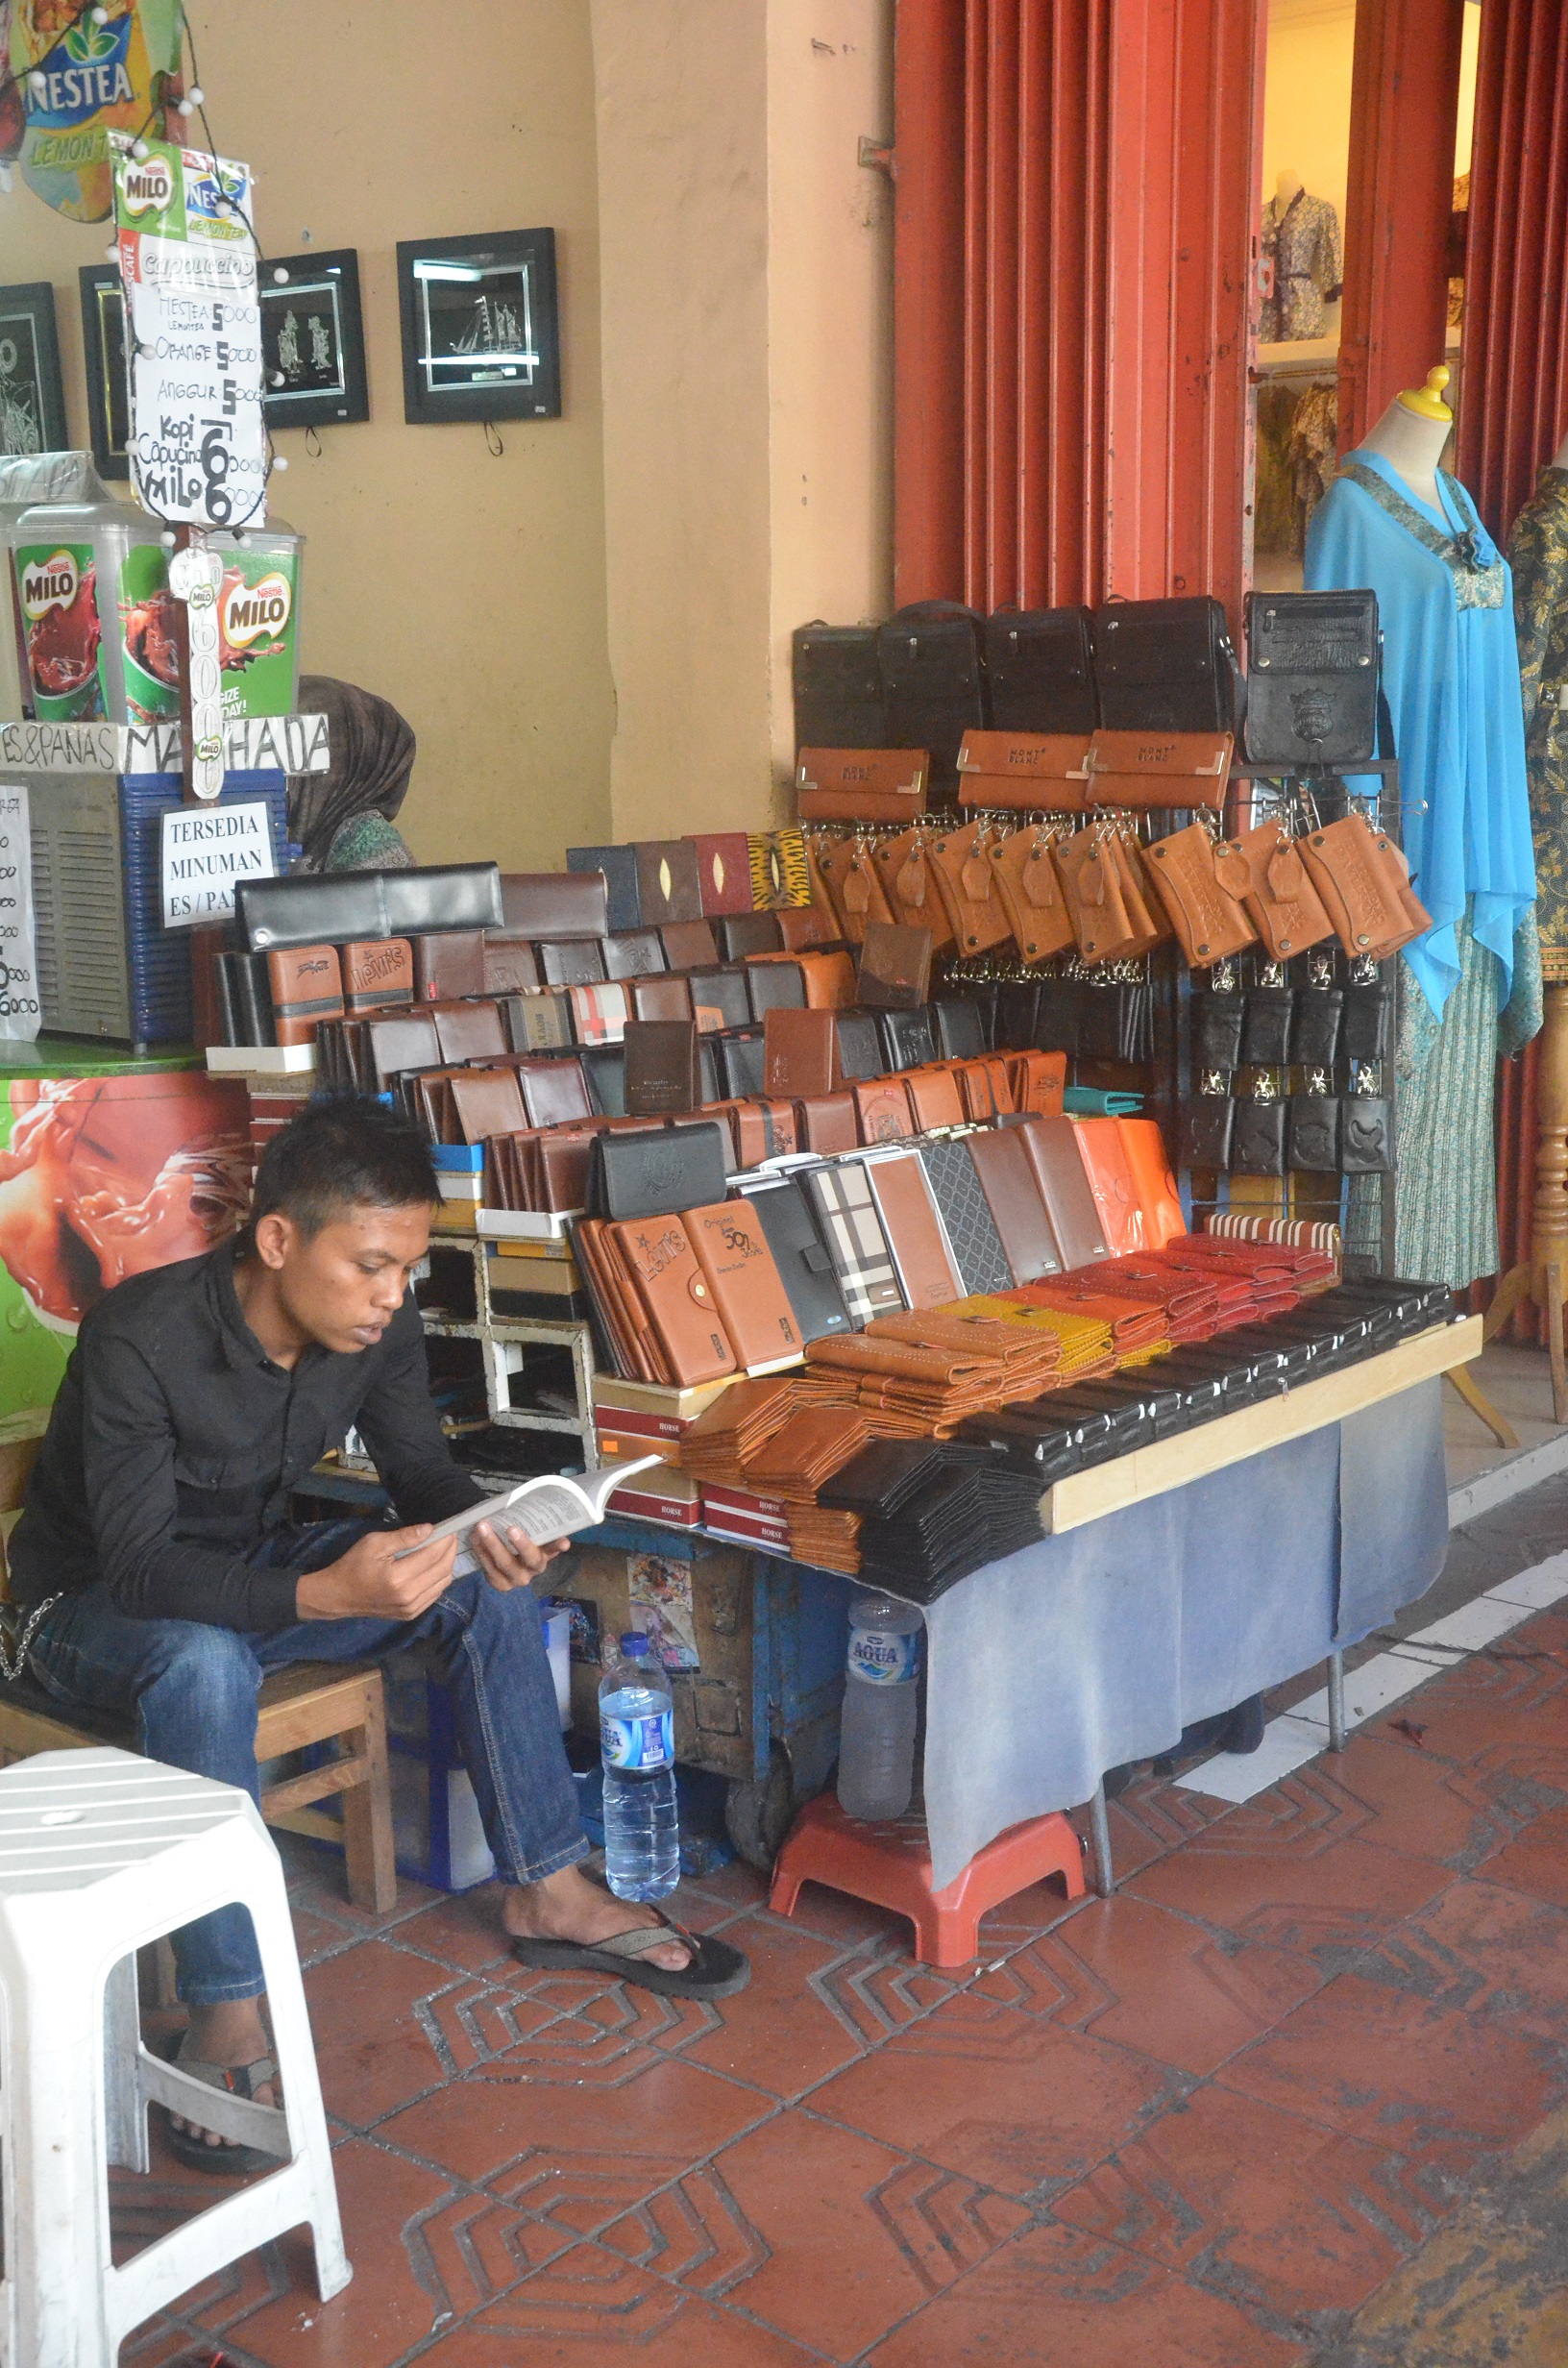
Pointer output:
x,y
1337,1701
1105,1880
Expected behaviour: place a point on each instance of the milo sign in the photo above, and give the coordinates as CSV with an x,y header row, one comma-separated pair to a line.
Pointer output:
x,y
57,587
258,615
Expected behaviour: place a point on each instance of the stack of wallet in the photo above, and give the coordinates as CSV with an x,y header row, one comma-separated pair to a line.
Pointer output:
x,y
736,1426
806,1450
1134,1323
921,1373
1084,1342
932,1511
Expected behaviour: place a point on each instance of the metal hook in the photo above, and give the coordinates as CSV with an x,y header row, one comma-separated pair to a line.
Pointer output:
x,y
492,438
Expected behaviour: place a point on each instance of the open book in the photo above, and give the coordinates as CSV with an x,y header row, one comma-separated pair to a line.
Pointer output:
x,y
543,1510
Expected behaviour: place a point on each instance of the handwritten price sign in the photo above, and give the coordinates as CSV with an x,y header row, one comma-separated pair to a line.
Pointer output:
x,y
20,1008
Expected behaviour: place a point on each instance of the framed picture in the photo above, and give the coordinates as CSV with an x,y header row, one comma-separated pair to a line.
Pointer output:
x,y
103,344
312,339
32,397
480,333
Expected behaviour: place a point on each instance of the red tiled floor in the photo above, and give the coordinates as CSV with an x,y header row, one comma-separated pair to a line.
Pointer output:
x,y
374,2052
1264,2205
1124,1969
1326,1903
1419,1803
1484,1950
1537,1861
590,2307
781,2032
1055,2298
998,2096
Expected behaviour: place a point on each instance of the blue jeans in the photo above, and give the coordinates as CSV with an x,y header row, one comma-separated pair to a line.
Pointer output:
x,y
193,1687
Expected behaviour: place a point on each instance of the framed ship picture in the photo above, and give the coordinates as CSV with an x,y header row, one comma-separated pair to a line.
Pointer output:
x,y
312,340
32,396
480,338
102,347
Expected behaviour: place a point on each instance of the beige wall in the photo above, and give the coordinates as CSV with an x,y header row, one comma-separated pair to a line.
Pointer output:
x,y
470,590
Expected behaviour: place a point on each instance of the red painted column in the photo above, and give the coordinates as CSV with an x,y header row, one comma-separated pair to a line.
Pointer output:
x,y
929,311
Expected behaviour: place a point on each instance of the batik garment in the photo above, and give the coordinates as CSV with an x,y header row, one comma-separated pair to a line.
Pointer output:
x,y
1304,239
1539,555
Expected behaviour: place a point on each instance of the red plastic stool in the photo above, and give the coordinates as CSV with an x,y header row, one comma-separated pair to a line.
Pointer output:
x,y
890,1863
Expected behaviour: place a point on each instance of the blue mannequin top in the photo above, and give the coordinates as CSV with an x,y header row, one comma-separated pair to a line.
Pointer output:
x,y
1451,670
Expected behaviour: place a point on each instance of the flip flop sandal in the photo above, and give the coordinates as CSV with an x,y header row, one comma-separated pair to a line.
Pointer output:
x,y
715,1970
228,2160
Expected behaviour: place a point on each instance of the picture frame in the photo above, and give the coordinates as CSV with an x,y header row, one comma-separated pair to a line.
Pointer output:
x,y
103,348
31,391
313,339
480,329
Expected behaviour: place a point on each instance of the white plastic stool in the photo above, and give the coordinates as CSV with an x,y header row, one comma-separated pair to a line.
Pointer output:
x,y
101,1853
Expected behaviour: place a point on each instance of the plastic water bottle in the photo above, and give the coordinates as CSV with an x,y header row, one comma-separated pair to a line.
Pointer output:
x,y
637,1741
876,1742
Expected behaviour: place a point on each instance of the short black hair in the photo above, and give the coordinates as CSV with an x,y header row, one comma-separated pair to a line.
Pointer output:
x,y
344,1154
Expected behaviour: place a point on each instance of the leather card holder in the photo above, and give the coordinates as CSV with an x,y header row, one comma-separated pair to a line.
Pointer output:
x,y
449,966
720,1000
804,925
661,1068
306,985
775,986
538,1021
882,1110
571,962
486,1101
1313,1134
1217,1024
555,1093
828,978
1367,1145
398,1046
378,973
961,1028
1257,1138
600,1012
935,1098
827,1122
1316,1027
907,1038
604,1075
743,1061
860,1047
1266,1027
894,970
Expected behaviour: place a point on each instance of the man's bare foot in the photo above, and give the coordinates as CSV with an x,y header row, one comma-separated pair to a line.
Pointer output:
x,y
567,1907
232,2033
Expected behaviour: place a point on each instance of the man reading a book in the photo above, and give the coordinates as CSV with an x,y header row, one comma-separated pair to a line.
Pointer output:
x,y
161,1577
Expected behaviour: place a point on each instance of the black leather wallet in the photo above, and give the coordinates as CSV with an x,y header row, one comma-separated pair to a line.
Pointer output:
x,y
1029,1438
1265,1026
1101,1020
634,953
604,1070
624,906
723,992
743,1066
961,1027
1058,1019
860,1047
1313,1136
311,908
577,962
1258,1139
1369,1023
662,1078
742,933
800,1255
908,1039
1017,1014
1207,1121
441,896
776,986
1314,1028
660,1172
1367,1137
1216,1030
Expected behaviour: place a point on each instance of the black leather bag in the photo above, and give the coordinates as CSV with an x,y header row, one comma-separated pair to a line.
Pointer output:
x,y
1217,1031
1314,1028
1265,1026
1041,665
837,687
1369,1023
1312,1142
657,1173
1164,666
1258,1139
1366,1142
1312,676
1208,1121
933,685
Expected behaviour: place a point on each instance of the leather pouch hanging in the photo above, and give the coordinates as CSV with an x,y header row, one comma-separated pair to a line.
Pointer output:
x,y
1350,873
967,888
1312,1130
850,876
908,876
1207,1123
1217,1029
1091,888
1038,772
1312,678
1283,906
1265,1026
1145,914
1368,1022
1257,1137
1202,887
1059,1016
1366,1140
1314,1026
1169,771
1031,892
861,785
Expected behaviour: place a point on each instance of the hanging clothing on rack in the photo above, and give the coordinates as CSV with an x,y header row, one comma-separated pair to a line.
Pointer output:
x,y
1314,431
1303,238
1539,553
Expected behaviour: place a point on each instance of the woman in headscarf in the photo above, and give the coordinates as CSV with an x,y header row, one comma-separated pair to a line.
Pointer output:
x,y
343,818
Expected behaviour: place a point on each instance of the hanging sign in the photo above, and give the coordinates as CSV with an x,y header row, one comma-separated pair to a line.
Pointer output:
x,y
205,852
197,443
79,80
20,1008
195,577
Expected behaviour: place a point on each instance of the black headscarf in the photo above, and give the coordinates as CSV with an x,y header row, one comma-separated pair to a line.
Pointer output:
x,y
372,758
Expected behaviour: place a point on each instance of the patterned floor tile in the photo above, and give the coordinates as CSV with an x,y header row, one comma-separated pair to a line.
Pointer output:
x,y
1419,1803
1055,2298
592,2306
1537,1861
1327,1903
781,2032
1484,1950
1296,2223
374,2025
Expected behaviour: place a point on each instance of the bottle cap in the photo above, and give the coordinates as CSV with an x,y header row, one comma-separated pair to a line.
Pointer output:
x,y
1427,402
634,1642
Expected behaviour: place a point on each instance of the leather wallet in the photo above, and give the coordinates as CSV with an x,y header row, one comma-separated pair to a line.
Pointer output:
x,y
690,945
1257,1138
829,978
510,964
1030,888
935,1098
1202,888
1027,770
571,962
469,1032
398,1046
860,1047
674,1292
780,869
600,1013
882,1110
661,1071
720,1000
603,1069
1091,891
1217,1021
800,1254
845,1210
827,1122
865,785
724,872
623,904
1314,1026
903,864
1265,1026
305,983
305,908
1039,1081
961,1030
449,966
1347,861
1152,1181
1313,1132
659,1171
664,997
251,998
1059,1022
1159,769
907,1038
743,934
1052,1146
555,905
966,885
432,897
1368,1021
986,1087
775,986
1111,1180
1017,1014
378,974
741,1275
800,1053
1011,1185
849,881
538,1022
760,1127
894,971
928,1274
1281,903
634,953
485,1102
801,925
1366,1139
1311,677
668,885
971,1231
743,1061
555,1093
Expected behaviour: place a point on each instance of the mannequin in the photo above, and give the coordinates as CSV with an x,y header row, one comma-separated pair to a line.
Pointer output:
x,y
1412,434
1288,187
1300,234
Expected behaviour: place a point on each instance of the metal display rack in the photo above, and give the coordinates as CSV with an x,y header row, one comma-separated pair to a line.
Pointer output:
x,y
504,1342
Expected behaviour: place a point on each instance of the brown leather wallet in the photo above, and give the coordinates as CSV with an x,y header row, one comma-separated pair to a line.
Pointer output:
x,y
1039,1081
510,964
1171,769
537,1022
1091,890
917,1237
1031,892
724,872
1139,900
665,996
674,1291
468,1032
935,1097
828,978
1009,1181
662,1078
378,973
827,1122
486,1101
882,1110
894,966
1202,889
668,886
760,1128
688,945
850,881
743,1276
804,926
801,1052
397,1046
1281,903
986,1087
967,885
1349,869
1052,1148
861,785
552,1092
447,965
306,985
908,877
1038,772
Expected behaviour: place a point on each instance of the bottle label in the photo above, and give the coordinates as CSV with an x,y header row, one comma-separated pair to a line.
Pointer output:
x,y
882,1660
639,1742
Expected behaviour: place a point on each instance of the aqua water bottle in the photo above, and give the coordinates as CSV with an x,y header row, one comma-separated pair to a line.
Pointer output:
x,y
876,1742
637,1742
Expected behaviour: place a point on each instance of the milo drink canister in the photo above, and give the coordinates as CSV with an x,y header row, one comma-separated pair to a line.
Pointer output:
x,y
98,618
57,590
258,619
27,480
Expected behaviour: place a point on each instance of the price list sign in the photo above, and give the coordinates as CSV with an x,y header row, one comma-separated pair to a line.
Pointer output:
x,y
20,1010
193,334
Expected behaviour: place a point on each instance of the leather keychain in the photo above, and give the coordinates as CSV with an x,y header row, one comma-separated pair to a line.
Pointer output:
x,y
850,876
1202,887
904,867
1092,887
1281,903
1031,892
966,884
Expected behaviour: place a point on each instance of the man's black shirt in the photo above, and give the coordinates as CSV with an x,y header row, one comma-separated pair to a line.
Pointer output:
x,y
175,1442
